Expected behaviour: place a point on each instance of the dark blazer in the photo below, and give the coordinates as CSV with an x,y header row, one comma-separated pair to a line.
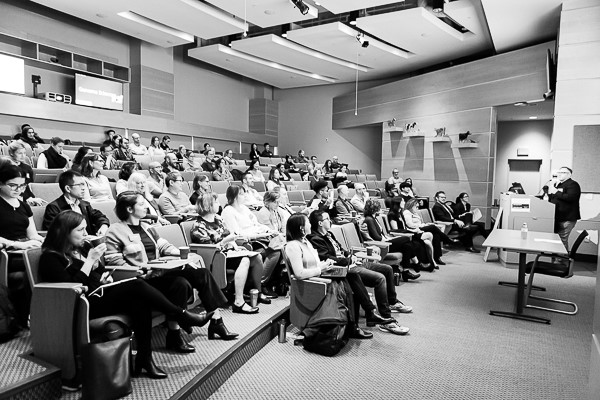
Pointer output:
x,y
94,218
567,201
266,153
326,250
441,213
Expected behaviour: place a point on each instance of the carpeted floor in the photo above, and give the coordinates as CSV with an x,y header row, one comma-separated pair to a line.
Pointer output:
x,y
455,349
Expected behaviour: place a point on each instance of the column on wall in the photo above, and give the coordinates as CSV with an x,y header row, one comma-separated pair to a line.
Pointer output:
x,y
152,88
440,161
578,78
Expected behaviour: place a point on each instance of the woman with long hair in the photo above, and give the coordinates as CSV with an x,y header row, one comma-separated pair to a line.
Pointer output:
x,y
415,223
137,183
210,229
81,152
254,153
155,150
134,243
254,169
275,183
221,173
127,169
67,257
97,187
462,208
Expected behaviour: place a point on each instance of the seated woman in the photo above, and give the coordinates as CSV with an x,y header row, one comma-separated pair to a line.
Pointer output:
x,y
221,173
275,182
17,232
77,160
305,263
127,169
134,243
137,183
411,191
97,187
341,177
67,257
155,150
254,169
238,219
283,173
414,223
209,229
174,201
399,244
254,153
328,171
193,162
228,157
18,156
462,208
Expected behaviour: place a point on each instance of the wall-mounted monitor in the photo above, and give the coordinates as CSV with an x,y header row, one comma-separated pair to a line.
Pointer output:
x,y
12,78
101,93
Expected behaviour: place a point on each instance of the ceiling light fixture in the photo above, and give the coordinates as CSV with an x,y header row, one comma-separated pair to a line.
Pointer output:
x,y
303,8
532,117
284,29
352,18
437,6
361,39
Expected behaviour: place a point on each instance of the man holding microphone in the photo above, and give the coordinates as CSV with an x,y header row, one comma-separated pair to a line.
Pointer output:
x,y
565,195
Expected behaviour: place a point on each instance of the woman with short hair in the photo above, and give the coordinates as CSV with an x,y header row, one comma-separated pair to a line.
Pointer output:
x,y
18,157
174,201
137,182
127,169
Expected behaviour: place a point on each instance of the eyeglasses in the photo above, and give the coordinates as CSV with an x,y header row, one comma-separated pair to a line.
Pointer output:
x,y
16,187
77,184
178,180
441,197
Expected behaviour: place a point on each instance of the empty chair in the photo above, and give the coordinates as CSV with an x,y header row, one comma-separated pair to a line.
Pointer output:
x,y
371,177
559,266
260,186
107,208
296,176
46,191
296,197
143,160
111,174
46,175
302,185
220,186
188,175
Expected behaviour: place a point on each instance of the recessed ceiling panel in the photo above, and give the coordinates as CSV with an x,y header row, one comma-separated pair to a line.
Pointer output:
x,y
262,70
191,16
265,13
516,23
339,40
340,6
289,53
106,13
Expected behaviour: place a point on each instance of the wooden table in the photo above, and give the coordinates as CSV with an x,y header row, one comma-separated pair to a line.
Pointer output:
x,y
536,243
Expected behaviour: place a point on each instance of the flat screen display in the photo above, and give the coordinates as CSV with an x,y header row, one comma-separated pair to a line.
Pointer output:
x,y
12,78
100,93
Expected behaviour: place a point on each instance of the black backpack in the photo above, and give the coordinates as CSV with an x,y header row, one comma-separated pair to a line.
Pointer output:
x,y
8,321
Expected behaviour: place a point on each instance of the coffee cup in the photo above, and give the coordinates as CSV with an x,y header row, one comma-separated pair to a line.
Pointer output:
x,y
184,251
98,240
369,251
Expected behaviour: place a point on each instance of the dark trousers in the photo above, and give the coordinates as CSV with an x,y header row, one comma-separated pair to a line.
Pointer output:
x,y
200,279
361,296
381,278
137,299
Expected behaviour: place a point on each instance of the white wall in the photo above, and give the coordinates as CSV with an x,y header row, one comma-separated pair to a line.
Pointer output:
x,y
305,120
534,135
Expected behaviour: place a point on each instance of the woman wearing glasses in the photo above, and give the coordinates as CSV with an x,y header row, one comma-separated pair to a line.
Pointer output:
x,y
97,188
174,200
17,232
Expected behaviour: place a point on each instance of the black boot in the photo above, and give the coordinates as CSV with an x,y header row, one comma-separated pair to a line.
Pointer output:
x,y
147,364
217,327
407,275
186,319
177,343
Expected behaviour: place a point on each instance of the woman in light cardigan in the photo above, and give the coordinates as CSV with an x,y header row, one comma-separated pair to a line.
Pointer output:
x,y
97,186
134,243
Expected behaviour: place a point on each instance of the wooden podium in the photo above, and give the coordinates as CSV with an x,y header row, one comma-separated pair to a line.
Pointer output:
x,y
521,208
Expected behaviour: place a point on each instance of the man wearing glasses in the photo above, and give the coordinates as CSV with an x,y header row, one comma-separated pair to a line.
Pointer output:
x,y
442,212
137,148
565,195
156,180
72,185
392,185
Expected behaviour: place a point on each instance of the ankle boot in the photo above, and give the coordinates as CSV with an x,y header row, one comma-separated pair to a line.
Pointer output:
x,y
217,327
409,275
177,343
186,319
147,364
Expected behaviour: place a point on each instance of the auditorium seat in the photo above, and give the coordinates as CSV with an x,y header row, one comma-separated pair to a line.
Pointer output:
x,y
107,208
143,160
260,186
46,175
212,256
111,174
46,191
220,186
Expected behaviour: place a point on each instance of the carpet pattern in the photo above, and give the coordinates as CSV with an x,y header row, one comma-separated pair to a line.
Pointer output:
x,y
455,349
13,366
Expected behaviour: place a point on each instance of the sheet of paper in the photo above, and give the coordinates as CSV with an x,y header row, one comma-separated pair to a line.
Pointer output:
x,y
476,215
315,203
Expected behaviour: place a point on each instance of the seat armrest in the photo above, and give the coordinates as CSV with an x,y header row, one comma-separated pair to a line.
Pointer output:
x,y
53,320
172,218
214,260
3,268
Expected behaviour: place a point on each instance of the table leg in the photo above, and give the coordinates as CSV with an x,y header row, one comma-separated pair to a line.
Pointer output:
x,y
518,314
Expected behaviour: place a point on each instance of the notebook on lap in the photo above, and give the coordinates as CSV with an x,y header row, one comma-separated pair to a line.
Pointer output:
x,y
335,272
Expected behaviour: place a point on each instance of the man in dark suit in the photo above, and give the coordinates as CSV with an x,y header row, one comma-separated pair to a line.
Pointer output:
x,y
72,185
267,151
444,213
565,195
375,275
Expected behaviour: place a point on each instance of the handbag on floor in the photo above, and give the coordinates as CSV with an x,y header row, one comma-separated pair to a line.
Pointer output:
x,y
106,366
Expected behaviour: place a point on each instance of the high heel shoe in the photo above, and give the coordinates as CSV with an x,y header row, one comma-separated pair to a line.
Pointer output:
x,y
430,267
409,275
187,319
152,371
218,328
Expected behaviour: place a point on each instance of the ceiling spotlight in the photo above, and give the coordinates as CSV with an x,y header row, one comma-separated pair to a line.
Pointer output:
x,y
301,6
361,39
352,18
284,29
437,6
